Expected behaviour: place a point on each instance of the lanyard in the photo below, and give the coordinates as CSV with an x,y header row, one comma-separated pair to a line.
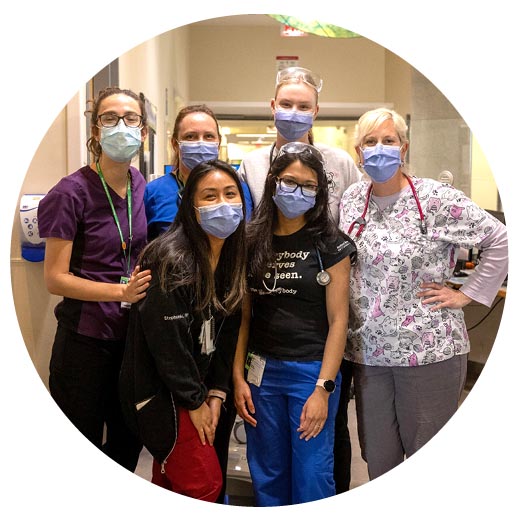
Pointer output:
x,y
271,153
361,219
180,185
126,255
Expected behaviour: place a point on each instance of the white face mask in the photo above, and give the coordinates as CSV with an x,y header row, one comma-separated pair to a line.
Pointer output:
x,y
120,143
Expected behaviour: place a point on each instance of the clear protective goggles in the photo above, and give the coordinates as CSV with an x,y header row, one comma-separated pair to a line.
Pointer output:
x,y
297,147
295,74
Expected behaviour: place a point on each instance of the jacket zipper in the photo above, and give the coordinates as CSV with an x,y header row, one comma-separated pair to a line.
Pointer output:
x,y
163,471
163,463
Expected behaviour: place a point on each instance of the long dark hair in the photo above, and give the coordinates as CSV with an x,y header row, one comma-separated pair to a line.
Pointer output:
x,y
181,255
319,220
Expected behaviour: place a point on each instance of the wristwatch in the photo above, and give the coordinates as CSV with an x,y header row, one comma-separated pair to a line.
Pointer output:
x,y
328,385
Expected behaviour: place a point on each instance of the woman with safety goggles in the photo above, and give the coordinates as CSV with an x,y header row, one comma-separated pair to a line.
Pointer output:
x,y
293,332
294,108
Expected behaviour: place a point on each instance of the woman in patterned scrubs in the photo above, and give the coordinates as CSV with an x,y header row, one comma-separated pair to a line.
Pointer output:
x,y
407,335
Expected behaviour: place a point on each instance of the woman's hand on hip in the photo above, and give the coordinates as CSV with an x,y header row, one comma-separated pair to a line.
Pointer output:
x,y
442,296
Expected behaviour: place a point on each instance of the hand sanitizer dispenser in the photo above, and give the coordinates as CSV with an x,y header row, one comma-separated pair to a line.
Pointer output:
x,y
33,247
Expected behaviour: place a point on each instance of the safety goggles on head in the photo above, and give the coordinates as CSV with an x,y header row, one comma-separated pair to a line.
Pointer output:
x,y
293,74
297,147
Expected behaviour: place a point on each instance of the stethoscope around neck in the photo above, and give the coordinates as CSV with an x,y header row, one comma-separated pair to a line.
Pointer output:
x,y
361,222
323,277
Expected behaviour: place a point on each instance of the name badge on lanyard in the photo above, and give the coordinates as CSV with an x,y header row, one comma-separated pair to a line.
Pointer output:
x,y
256,368
207,336
124,279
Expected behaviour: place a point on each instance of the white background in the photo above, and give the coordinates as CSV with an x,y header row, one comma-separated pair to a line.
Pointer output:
x,y
468,49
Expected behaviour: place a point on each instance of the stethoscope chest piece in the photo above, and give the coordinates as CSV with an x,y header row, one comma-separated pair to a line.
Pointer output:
x,y
323,278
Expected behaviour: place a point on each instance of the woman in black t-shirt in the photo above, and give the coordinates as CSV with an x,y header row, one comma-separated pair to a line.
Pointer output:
x,y
293,332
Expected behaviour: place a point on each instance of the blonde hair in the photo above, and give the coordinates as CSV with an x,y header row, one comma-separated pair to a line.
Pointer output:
x,y
374,118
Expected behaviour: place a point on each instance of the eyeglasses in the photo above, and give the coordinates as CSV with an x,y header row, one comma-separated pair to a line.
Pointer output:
x,y
297,147
299,73
289,186
110,120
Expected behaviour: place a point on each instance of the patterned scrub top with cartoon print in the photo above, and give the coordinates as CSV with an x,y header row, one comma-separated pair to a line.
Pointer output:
x,y
389,325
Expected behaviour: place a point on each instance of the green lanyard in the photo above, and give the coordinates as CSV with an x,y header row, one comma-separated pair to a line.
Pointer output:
x,y
126,254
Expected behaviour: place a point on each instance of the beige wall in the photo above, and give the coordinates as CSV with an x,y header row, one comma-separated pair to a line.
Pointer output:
x,y
34,306
398,83
158,68
483,185
239,64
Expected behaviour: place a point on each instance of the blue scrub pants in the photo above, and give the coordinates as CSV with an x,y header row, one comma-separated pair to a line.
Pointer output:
x,y
286,470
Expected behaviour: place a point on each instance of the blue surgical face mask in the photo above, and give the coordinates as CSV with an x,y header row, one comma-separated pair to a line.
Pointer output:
x,y
291,124
220,220
195,152
381,161
293,204
120,143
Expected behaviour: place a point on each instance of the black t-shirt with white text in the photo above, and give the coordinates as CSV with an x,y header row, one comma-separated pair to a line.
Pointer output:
x,y
289,316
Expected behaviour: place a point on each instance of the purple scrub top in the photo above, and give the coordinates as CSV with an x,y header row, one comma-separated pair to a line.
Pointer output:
x,y
77,209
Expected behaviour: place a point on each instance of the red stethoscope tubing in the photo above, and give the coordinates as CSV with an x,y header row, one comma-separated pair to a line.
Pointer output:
x,y
361,219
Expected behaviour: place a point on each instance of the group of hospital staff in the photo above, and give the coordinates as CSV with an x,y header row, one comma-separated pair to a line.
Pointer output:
x,y
263,292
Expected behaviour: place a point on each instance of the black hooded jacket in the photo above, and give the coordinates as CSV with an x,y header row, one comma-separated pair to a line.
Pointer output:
x,y
163,367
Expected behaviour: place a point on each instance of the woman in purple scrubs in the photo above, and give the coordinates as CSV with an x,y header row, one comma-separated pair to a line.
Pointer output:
x,y
95,226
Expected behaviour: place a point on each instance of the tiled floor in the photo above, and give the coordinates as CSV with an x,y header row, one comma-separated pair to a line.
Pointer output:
x,y
239,485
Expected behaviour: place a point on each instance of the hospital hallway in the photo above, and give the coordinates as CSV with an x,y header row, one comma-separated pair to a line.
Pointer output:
x,y
239,490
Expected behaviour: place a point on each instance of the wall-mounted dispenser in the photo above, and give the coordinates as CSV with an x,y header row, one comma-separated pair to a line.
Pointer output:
x,y
33,247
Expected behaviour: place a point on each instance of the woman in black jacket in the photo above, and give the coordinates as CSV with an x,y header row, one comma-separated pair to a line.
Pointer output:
x,y
182,335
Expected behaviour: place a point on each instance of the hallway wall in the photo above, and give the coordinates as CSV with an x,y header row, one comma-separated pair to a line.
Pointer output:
x,y
234,63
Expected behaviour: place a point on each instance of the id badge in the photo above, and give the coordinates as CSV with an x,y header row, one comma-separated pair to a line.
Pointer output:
x,y
256,369
206,337
125,280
